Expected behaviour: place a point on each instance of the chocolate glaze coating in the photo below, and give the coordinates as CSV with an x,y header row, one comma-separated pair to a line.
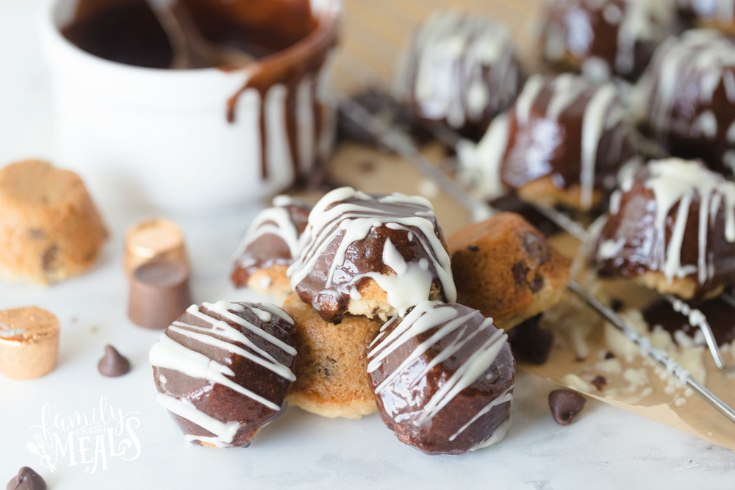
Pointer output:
x,y
686,99
719,314
194,398
414,378
540,145
270,238
630,243
619,35
464,87
345,246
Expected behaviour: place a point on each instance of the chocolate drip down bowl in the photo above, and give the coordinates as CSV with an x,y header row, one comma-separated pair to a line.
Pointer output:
x,y
247,113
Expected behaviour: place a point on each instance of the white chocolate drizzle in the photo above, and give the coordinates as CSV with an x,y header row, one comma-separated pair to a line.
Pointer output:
x,y
697,63
167,353
446,320
481,163
271,221
676,181
637,21
453,54
349,222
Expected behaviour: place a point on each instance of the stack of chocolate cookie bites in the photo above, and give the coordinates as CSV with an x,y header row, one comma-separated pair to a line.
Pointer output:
x,y
371,322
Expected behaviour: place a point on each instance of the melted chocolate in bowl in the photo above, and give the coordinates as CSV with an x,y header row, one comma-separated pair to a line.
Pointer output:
x,y
128,31
288,41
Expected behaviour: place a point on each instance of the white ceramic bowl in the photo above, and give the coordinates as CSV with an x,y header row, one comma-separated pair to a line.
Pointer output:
x,y
161,139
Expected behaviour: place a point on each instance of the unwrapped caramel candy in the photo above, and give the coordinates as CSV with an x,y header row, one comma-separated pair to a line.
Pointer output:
x,y
153,238
29,342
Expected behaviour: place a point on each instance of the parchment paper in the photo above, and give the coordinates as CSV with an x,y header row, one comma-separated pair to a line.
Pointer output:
x,y
371,44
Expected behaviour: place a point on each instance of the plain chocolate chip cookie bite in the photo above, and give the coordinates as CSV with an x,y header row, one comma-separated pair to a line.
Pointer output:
x,y
670,227
375,255
332,361
562,143
460,70
443,377
224,370
270,246
50,229
605,37
505,268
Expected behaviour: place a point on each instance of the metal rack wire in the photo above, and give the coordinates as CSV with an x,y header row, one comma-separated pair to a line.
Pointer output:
x,y
404,146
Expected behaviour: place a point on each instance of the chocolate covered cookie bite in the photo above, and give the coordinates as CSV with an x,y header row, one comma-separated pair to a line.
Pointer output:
x,y
460,70
223,370
671,227
562,143
371,254
686,98
605,37
443,377
270,246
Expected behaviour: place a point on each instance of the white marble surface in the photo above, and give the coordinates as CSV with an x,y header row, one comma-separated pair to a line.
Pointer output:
x,y
604,448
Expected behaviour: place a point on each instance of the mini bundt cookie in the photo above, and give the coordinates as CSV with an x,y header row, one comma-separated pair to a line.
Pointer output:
x,y
371,254
443,377
50,229
269,247
331,379
505,268
224,370
562,143
671,227
605,37
460,70
686,98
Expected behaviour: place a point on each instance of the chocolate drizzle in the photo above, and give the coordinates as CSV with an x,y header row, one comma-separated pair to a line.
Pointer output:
x,y
443,378
223,370
353,237
272,238
460,70
673,217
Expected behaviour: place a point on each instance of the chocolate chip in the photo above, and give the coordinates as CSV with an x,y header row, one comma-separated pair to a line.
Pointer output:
x,y
367,166
337,321
616,305
27,479
113,364
564,405
474,248
536,284
520,271
537,248
600,382
609,355
48,257
530,343
36,234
